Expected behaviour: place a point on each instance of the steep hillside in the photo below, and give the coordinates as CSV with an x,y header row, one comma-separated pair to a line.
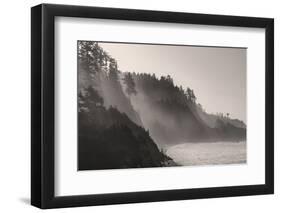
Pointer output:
x,y
173,115
108,139
110,131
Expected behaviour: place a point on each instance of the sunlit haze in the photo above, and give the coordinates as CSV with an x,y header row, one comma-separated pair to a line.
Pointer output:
x,y
217,75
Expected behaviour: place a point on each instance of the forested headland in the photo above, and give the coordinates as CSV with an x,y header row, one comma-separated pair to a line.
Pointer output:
x,y
125,119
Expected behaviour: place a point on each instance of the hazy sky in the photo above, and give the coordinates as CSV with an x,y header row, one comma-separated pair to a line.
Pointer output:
x,y
217,75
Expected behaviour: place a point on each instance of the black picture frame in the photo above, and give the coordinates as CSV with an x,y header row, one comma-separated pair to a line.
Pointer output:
x,y
43,111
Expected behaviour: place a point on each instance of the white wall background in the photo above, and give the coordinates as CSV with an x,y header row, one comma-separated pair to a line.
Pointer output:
x,y
15,105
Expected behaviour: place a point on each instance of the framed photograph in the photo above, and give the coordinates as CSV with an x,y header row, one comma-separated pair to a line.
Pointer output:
x,y
139,106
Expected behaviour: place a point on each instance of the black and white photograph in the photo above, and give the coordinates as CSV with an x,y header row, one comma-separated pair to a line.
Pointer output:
x,y
160,105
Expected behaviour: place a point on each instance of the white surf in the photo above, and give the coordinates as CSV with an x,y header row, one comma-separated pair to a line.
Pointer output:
x,y
208,153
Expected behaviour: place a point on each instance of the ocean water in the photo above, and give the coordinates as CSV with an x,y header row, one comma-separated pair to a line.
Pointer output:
x,y
209,153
